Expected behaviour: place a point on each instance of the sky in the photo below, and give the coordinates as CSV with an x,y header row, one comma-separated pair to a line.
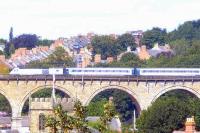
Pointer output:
x,y
64,18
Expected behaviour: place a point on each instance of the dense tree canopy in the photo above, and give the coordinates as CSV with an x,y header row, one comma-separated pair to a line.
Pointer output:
x,y
25,41
126,40
155,35
190,30
109,46
45,42
5,105
3,68
105,45
169,113
1,52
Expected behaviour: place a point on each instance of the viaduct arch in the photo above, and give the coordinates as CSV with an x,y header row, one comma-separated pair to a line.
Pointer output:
x,y
178,87
127,90
26,97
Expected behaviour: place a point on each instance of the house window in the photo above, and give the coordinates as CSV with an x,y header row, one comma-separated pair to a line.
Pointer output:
x,y
41,122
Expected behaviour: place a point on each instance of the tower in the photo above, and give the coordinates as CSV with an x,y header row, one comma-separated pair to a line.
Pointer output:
x,y
41,108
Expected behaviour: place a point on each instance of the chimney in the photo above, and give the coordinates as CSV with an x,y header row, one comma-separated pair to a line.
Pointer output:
x,y
190,125
97,58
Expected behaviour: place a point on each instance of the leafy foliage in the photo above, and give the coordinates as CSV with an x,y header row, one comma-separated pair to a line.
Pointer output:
x,y
126,40
5,105
109,46
25,41
122,101
190,30
169,113
44,42
155,35
1,52
105,45
108,114
3,68
65,122
81,123
92,107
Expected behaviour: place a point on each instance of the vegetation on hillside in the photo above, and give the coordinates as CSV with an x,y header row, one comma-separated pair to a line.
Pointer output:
x,y
169,112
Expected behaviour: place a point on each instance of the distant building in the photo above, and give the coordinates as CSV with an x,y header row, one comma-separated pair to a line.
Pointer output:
x,y
22,56
97,58
137,36
110,59
143,53
158,50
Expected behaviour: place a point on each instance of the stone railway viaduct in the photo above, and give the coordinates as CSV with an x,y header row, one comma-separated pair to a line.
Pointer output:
x,y
144,90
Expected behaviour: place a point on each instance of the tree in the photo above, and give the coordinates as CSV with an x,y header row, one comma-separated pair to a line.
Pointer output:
x,y
163,116
28,41
105,45
169,112
44,42
11,35
122,101
155,35
5,105
92,107
189,30
131,60
126,40
81,123
3,68
60,120
1,52
11,49
108,114
52,123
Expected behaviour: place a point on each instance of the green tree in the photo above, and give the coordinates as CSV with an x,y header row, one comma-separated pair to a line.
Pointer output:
x,y
45,42
5,105
1,52
126,40
11,35
52,123
189,31
131,60
80,123
92,107
169,112
163,116
155,35
123,103
11,49
105,45
61,120
109,113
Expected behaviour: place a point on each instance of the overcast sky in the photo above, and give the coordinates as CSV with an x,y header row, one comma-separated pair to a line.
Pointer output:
x,y
63,18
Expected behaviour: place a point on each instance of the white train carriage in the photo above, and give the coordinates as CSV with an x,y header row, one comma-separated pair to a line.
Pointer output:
x,y
99,71
56,71
18,71
50,71
168,71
